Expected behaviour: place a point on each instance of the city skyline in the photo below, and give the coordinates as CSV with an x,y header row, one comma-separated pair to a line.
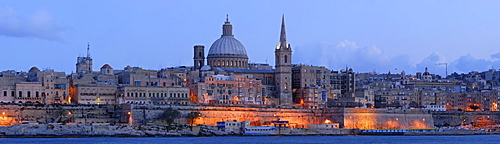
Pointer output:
x,y
367,35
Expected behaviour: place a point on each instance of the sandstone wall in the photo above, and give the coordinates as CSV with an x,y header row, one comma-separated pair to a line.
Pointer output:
x,y
387,119
456,118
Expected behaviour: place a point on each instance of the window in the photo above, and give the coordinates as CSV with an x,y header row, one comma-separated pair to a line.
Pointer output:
x,y
286,59
20,94
4,93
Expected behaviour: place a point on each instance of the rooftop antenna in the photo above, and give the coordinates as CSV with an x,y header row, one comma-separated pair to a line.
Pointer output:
x,y
227,17
88,49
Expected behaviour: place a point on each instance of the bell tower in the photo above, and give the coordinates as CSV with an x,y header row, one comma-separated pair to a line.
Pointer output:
x,y
283,68
199,56
84,64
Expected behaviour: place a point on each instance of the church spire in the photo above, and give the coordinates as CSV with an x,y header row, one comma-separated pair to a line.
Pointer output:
x,y
283,43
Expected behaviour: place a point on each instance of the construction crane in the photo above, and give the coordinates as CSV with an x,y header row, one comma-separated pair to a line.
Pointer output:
x,y
446,65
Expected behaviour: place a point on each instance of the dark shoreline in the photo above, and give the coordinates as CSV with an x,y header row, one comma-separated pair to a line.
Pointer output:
x,y
284,135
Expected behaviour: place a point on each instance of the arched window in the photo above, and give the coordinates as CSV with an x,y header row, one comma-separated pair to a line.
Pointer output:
x,y
20,94
286,59
199,54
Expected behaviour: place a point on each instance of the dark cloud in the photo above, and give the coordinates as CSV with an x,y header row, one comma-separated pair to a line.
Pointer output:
x,y
39,25
348,53
337,56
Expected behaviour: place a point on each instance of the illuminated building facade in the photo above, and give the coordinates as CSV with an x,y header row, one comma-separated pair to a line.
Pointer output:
x,y
153,95
230,90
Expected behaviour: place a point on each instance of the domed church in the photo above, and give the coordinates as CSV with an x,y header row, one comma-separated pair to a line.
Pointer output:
x,y
228,56
227,51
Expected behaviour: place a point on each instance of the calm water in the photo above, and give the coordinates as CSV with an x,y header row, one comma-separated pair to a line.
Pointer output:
x,y
469,139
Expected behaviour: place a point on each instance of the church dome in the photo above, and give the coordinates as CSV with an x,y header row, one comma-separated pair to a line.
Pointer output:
x,y
227,46
34,69
206,68
106,66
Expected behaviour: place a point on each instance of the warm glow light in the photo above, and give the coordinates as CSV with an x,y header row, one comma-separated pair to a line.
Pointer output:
x,y
3,113
129,113
328,121
70,113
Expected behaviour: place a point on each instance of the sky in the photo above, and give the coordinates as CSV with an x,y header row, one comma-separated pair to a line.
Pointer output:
x,y
365,35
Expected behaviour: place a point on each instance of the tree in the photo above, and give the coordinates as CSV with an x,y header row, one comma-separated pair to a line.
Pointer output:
x,y
192,116
169,115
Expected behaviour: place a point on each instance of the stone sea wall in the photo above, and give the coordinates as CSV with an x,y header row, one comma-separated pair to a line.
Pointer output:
x,y
298,118
455,118
210,115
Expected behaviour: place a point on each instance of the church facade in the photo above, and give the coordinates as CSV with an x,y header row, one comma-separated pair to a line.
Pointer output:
x,y
227,56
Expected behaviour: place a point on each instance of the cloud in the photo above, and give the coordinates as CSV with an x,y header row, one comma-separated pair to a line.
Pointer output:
x,y
40,24
468,63
338,55
431,61
495,56
347,53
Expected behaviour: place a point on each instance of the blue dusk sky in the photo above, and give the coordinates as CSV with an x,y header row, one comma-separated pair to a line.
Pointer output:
x,y
367,36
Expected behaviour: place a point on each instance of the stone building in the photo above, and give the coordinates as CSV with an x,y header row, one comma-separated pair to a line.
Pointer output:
x,y
153,95
313,86
94,94
35,86
230,90
473,101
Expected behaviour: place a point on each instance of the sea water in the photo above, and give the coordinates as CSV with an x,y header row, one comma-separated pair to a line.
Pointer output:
x,y
453,139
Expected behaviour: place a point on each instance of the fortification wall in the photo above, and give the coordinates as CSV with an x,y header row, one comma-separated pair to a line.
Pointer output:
x,y
387,119
299,118
456,118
